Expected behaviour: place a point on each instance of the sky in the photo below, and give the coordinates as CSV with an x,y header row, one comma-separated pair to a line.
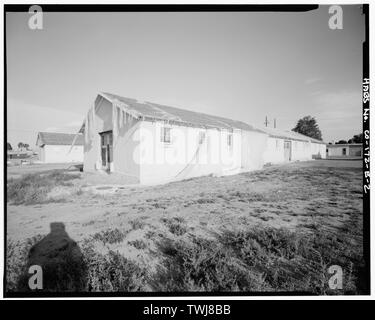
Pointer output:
x,y
240,65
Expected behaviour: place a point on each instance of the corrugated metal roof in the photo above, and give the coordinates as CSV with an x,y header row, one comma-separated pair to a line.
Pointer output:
x,y
55,138
286,134
154,111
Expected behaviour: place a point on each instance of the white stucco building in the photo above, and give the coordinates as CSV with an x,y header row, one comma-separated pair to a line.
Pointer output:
x,y
57,147
154,143
345,151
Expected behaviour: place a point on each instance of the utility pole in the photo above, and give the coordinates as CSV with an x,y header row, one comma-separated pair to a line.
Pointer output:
x,y
266,122
274,123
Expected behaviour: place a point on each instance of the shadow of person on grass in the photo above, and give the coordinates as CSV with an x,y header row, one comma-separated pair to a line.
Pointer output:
x,y
61,261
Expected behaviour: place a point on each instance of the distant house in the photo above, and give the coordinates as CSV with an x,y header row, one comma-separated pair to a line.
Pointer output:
x,y
156,143
56,147
18,154
345,151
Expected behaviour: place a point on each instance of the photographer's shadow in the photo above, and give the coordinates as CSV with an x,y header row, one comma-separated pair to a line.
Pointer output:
x,y
61,261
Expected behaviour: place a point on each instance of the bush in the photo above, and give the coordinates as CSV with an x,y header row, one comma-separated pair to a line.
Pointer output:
x,y
16,260
138,244
112,272
34,188
202,266
259,259
137,224
92,271
110,236
292,261
175,225
275,253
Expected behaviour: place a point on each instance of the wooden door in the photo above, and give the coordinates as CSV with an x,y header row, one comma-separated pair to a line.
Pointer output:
x,y
106,146
287,151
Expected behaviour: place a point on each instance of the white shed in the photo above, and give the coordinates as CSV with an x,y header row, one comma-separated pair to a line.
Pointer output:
x,y
56,147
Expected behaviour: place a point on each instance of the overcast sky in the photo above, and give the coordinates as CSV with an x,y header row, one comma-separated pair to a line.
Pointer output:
x,y
238,65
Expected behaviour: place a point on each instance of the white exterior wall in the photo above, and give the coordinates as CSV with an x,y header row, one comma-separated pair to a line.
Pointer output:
x,y
41,154
125,145
126,150
274,152
184,158
355,151
337,151
59,154
351,151
103,122
253,150
301,151
319,150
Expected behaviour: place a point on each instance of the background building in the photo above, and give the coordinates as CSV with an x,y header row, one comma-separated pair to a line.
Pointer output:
x,y
56,147
354,150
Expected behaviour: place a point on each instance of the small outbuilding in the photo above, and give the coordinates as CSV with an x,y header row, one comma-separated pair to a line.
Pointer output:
x,y
345,151
56,147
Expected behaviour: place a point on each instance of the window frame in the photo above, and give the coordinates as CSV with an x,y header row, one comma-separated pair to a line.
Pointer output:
x,y
163,135
230,140
201,137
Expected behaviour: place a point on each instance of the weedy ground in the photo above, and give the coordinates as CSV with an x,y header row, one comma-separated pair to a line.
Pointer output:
x,y
278,229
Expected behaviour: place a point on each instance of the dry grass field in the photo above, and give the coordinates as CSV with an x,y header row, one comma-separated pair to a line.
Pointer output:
x,y
278,229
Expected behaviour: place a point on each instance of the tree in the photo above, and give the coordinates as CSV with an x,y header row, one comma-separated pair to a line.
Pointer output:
x,y
26,145
356,138
309,127
9,146
20,145
342,142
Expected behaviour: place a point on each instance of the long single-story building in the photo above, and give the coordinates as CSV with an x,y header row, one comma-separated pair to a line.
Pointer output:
x,y
345,151
155,143
57,147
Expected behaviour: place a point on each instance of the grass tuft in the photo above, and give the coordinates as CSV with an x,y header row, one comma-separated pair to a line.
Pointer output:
x,y
110,236
34,188
112,272
175,225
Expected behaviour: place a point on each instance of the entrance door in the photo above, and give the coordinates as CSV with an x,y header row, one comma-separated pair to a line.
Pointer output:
x,y
106,145
287,150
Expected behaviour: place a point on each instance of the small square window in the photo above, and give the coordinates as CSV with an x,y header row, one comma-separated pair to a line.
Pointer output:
x,y
202,136
165,135
230,140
